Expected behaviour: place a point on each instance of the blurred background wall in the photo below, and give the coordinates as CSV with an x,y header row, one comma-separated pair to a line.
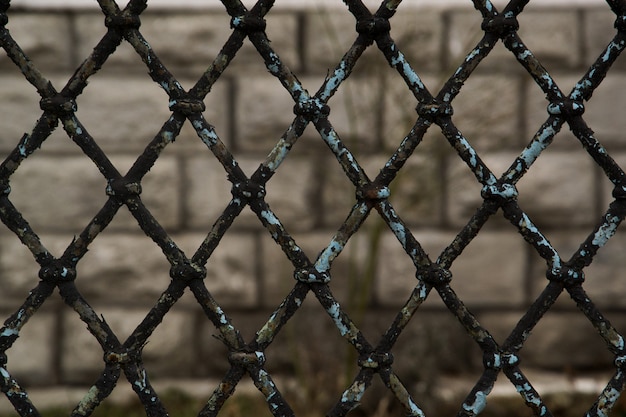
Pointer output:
x,y
499,109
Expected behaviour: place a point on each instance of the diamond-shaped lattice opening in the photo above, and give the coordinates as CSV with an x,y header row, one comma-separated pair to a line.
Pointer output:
x,y
263,115
552,37
19,269
559,189
231,271
489,117
71,187
31,359
19,111
318,362
580,362
129,270
191,41
245,401
436,360
282,30
417,193
116,132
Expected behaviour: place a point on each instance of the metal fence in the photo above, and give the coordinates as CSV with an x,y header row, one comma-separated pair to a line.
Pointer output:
x,y
564,272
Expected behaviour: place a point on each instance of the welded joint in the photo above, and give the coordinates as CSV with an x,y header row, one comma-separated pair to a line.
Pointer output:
x,y
122,189
434,110
58,104
248,23
187,271
311,276
115,357
434,275
566,275
619,192
501,25
247,190
373,27
376,360
499,360
57,271
311,109
187,105
500,192
373,192
620,23
122,21
566,108
247,359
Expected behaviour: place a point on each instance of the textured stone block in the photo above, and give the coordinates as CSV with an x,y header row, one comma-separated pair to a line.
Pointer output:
x,y
487,112
565,341
19,112
44,37
168,351
31,357
552,36
489,272
145,110
187,42
73,191
601,111
558,190
289,193
599,30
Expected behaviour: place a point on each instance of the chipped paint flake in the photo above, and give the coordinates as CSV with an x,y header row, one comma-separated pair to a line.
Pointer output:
x,y
606,231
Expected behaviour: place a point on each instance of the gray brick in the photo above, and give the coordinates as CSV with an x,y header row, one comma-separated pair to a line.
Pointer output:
x,y
45,39
264,111
30,359
603,278
415,192
601,111
487,110
566,341
278,272
18,268
598,32
231,270
288,193
19,111
554,192
71,189
209,191
490,271
168,351
187,43
147,109
330,33
74,194
417,33
552,36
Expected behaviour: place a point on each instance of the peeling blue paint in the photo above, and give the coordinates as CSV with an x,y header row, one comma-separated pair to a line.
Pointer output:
x,y
605,231
334,311
328,255
270,217
480,401
399,231
339,74
208,136
8,332
412,77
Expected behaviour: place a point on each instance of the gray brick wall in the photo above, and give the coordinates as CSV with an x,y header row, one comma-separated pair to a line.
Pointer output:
x,y
59,190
